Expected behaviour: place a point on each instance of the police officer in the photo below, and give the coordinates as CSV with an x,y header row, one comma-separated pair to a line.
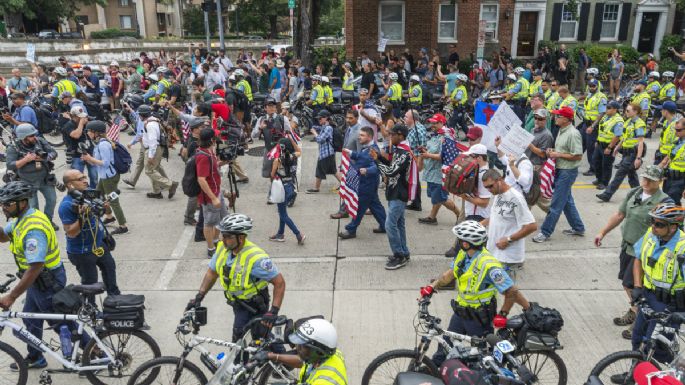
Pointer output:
x,y
593,73
595,108
327,90
317,97
658,276
244,86
415,95
163,86
36,252
608,136
479,277
517,92
632,147
653,85
535,87
63,84
348,82
244,271
567,99
321,362
668,89
150,95
459,98
674,184
667,138
642,98
394,95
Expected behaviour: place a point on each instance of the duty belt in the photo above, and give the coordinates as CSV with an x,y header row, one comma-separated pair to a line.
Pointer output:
x,y
482,314
628,151
675,174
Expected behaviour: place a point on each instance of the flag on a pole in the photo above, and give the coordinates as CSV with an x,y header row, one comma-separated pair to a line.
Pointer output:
x,y
113,130
349,185
547,178
483,111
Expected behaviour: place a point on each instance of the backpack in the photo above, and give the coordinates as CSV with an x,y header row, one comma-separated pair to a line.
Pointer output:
x,y
122,158
189,183
44,117
533,195
462,176
242,103
543,319
338,139
95,110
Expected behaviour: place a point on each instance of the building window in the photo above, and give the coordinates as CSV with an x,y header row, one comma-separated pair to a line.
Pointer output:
x,y
82,19
161,19
391,21
447,29
490,13
610,20
569,25
125,22
123,3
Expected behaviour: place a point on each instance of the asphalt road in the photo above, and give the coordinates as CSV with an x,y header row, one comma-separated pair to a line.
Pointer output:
x,y
345,281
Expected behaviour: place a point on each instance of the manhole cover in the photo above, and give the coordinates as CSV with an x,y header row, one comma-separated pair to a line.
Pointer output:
x,y
256,151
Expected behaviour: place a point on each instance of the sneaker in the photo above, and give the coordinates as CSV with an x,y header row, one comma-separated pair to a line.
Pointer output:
x,y
428,221
396,262
601,187
201,238
346,235
379,231
335,189
413,207
38,363
155,195
277,238
589,173
54,226
540,237
312,191
339,215
602,197
300,239
628,335
573,232
626,319
210,252
119,230
109,220
244,180
190,222
595,182
172,189
129,183
451,253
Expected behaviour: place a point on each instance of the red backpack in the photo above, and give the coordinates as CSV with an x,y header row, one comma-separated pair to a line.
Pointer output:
x,y
462,176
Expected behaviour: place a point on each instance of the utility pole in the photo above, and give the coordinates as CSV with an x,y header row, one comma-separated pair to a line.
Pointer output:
x,y
206,7
221,24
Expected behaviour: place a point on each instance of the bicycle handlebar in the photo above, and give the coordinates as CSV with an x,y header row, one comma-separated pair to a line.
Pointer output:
x,y
5,286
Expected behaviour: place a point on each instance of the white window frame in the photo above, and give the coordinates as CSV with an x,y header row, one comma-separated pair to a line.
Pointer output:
x,y
618,23
575,34
404,19
124,3
496,34
455,35
121,24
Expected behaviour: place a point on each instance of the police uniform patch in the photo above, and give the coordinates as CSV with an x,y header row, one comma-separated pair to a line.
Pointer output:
x,y
266,265
497,276
31,245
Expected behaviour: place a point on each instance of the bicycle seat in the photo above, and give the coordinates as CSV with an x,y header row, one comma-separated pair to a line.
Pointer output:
x,y
95,288
413,378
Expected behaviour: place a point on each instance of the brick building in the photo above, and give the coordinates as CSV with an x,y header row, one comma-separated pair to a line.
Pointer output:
x,y
417,24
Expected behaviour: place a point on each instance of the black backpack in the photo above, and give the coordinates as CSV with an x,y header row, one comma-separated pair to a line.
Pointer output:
x,y
189,183
242,103
338,139
543,319
44,117
95,110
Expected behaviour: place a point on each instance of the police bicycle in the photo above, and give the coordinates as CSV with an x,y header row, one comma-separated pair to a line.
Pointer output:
x,y
234,367
617,368
108,358
544,364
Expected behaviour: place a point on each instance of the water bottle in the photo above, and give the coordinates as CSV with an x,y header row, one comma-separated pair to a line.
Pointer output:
x,y
65,340
220,358
223,374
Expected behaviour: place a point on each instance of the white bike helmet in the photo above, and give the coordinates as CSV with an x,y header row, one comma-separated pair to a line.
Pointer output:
x,y
471,232
519,70
462,78
593,71
235,224
325,79
318,335
668,74
316,78
393,76
415,78
61,71
239,73
654,74
153,77
511,77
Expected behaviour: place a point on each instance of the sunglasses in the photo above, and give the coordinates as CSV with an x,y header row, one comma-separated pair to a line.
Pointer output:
x,y
658,224
540,118
489,186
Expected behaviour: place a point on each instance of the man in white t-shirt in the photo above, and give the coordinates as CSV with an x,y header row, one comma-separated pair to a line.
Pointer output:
x,y
368,114
519,170
510,221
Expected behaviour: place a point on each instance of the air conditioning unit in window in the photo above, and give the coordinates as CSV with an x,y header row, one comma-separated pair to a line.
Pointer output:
x,y
489,35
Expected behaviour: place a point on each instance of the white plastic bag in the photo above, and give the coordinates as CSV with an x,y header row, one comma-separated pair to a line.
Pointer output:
x,y
277,194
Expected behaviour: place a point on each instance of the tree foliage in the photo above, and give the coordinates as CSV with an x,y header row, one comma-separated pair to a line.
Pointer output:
x,y
49,10
259,16
194,21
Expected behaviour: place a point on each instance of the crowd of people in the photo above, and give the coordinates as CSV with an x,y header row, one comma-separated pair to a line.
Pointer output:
x,y
205,102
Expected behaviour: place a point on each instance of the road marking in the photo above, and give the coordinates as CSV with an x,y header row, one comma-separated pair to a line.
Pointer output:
x,y
172,264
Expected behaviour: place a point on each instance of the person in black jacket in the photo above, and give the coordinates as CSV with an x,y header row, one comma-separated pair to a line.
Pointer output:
x,y
401,173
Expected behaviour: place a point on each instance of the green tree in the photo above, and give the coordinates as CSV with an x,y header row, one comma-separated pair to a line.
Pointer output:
x,y
50,10
332,18
260,16
194,21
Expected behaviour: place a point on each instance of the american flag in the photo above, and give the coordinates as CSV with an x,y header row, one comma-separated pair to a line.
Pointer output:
x,y
274,153
547,178
114,128
185,126
294,135
450,150
349,185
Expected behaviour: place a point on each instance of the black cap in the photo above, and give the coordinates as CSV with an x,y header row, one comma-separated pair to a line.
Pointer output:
x,y
400,129
323,114
206,134
17,95
270,100
96,126
144,110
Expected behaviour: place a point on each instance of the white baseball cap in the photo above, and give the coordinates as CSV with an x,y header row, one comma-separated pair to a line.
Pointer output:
x,y
78,111
477,149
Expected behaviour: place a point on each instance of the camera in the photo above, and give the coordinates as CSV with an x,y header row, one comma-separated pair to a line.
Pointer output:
x,y
227,151
85,147
93,199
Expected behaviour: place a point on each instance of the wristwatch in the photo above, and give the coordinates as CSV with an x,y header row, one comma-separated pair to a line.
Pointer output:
x,y
509,240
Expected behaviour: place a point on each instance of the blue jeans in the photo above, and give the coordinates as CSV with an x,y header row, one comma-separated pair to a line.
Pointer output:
x,y
368,202
78,164
394,225
642,330
283,218
87,265
562,201
48,192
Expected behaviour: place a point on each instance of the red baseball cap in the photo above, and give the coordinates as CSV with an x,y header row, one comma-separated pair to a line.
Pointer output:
x,y
645,368
437,118
474,133
566,112
220,92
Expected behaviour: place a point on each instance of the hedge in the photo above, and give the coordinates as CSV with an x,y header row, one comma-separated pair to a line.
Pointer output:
x,y
112,33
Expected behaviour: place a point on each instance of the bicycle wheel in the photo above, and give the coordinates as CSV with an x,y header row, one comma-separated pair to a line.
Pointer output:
x,y
617,368
168,371
385,368
281,375
546,365
9,356
130,350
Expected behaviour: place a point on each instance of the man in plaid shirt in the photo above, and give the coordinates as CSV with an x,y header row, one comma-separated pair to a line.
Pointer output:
x,y
323,133
417,139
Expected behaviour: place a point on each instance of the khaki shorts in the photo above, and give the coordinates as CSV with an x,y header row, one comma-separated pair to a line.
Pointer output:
x,y
212,215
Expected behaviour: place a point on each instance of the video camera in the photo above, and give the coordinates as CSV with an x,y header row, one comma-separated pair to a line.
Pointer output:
x,y
228,151
93,199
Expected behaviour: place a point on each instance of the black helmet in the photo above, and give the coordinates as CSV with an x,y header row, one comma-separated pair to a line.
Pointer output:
x,y
97,126
323,114
15,191
144,111
135,101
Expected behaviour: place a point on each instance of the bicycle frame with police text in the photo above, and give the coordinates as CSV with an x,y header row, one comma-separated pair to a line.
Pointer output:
x,y
22,333
441,337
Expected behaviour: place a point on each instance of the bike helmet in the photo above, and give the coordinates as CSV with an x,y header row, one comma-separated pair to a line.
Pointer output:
x,y
415,78
239,73
61,71
97,126
668,74
144,111
592,71
471,232
318,335
316,78
668,212
24,130
135,101
15,191
519,70
654,74
511,77
153,77
235,224
393,76
462,78
325,79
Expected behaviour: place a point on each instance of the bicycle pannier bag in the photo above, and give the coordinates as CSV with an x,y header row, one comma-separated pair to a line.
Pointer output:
x,y
124,312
